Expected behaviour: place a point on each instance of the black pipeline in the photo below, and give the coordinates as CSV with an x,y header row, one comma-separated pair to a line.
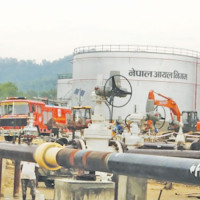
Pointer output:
x,y
182,170
17,152
53,156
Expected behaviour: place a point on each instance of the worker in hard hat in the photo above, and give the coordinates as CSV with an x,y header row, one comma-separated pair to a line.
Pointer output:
x,y
148,126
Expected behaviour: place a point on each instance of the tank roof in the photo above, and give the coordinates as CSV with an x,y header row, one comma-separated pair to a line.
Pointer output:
x,y
136,48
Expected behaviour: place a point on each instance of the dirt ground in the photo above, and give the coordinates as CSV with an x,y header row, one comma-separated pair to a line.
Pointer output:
x,y
177,192
9,183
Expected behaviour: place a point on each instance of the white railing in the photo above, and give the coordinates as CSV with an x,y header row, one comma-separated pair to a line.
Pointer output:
x,y
136,48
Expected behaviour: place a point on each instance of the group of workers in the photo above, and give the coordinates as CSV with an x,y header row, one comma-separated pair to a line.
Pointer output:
x,y
147,128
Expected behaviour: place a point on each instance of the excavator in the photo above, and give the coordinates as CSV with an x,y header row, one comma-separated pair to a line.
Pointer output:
x,y
189,118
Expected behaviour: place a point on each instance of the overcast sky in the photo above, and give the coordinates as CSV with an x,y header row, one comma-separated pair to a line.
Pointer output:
x,y
51,29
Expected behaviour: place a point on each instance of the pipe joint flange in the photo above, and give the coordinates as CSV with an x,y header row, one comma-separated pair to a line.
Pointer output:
x,y
45,155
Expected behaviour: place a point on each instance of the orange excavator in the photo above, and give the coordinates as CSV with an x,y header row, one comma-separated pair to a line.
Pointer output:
x,y
190,119
169,103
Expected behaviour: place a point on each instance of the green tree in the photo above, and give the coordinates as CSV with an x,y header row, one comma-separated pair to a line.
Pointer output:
x,y
31,94
51,94
8,89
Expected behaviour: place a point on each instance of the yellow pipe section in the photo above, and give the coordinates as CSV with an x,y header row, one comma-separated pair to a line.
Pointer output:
x,y
45,155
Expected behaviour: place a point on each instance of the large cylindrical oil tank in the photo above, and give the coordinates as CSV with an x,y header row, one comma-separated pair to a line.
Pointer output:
x,y
172,72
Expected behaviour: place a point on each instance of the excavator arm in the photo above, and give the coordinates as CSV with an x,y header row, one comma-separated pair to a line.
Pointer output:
x,y
167,102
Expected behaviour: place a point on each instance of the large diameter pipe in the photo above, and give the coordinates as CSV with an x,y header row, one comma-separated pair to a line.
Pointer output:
x,y
17,152
53,156
181,170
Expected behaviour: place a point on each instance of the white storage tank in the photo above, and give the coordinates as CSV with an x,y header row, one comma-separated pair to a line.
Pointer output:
x,y
170,71
64,88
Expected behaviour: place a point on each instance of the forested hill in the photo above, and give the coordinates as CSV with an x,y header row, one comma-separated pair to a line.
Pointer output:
x,y
28,75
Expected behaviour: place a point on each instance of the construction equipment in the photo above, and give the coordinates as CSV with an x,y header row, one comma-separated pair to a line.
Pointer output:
x,y
166,102
81,117
190,121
